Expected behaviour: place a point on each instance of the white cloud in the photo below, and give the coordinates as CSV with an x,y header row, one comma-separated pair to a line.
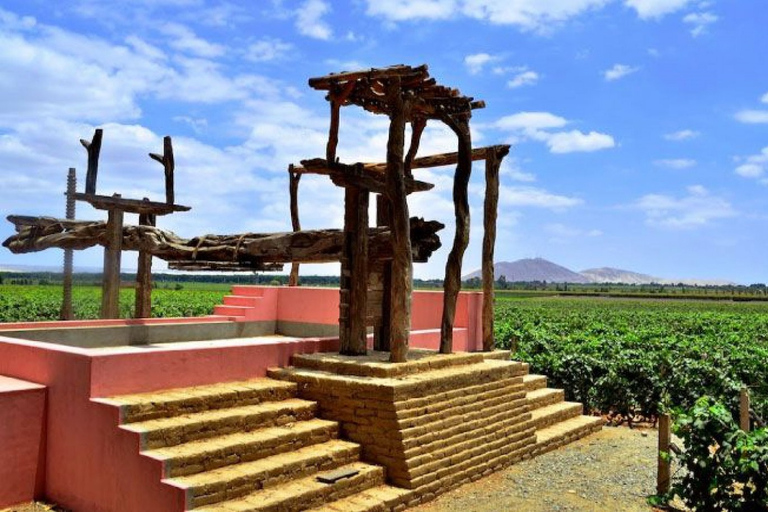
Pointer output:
x,y
267,49
695,209
403,10
700,22
752,116
618,71
184,39
576,141
562,233
676,163
753,166
682,135
647,9
764,99
535,197
309,19
536,126
475,62
523,78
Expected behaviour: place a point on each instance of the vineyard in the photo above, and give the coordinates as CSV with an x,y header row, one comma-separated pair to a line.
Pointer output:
x,y
633,358
20,303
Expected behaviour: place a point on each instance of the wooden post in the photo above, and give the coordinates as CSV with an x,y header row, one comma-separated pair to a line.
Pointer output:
x,y
744,409
663,467
143,301
66,306
93,148
490,211
402,264
381,338
417,128
333,132
169,166
293,189
452,283
354,273
110,289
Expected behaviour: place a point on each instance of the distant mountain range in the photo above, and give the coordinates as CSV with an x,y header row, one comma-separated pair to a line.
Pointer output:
x,y
539,269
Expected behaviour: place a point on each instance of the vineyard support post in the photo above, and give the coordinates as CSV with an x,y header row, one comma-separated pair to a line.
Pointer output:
x,y
67,312
744,409
665,438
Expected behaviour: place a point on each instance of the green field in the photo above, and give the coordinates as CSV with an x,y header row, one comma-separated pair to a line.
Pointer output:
x,y
636,357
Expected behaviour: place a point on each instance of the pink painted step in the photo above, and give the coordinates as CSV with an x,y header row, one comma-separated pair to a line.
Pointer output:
x,y
242,300
248,291
225,310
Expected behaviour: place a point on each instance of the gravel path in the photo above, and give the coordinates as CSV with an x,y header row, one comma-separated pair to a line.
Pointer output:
x,y
614,469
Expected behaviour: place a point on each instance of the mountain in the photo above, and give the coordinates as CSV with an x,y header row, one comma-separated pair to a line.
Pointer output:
x,y
533,269
616,275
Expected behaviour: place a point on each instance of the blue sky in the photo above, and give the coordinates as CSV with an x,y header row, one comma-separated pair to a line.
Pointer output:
x,y
639,127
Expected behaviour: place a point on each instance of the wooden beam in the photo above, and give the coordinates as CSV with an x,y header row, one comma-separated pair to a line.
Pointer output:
x,y
356,175
224,266
93,148
452,282
402,264
439,160
381,335
293,189
247,249
130,205
110,288
353,308
166,159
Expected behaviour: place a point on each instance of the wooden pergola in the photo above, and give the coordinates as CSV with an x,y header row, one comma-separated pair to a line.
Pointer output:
x,y
380,294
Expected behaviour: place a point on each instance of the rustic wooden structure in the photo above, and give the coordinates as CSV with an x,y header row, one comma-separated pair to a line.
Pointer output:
x,y
376,262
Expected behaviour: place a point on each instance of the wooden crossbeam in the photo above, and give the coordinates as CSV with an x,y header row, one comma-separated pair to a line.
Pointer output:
x,y
356,175
130,205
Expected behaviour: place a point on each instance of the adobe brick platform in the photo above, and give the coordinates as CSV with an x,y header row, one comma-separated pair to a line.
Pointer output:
x,y
437,421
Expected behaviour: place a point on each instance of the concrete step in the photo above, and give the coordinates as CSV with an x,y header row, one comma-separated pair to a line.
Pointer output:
x,y
566,432
242,300
304,493
543,397
249,291
176,430
543,417
382,498
225,310
533,382
235,481
179,401
207,454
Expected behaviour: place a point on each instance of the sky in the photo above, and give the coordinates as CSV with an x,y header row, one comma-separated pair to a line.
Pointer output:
x,y
639,128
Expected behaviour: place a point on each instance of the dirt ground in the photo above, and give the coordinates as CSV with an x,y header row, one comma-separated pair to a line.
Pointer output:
x,y
614,469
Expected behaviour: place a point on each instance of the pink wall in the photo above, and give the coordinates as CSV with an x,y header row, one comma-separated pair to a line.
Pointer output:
x,y
22,441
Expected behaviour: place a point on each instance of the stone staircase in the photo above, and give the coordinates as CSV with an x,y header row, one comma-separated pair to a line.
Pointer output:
x,y
240,302
248,446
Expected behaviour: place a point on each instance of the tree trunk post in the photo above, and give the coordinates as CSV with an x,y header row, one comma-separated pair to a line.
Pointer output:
x,y
67,312
381,337
402,264
293,189
110,290
143,304
93,148
663,466
452,284
354,273
490,211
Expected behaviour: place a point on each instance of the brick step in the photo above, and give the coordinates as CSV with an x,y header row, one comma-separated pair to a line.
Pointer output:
x,y
478,459
248,291
510,422
174,430
207,454
543,397
237,480
483,439
175,402
555,413
225,310
304,493
382,498
533,381
416,407
242,300
443,425
566,432
460,406
504,355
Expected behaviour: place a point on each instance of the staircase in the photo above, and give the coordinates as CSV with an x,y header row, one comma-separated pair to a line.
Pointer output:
x,y
242,301
249,446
